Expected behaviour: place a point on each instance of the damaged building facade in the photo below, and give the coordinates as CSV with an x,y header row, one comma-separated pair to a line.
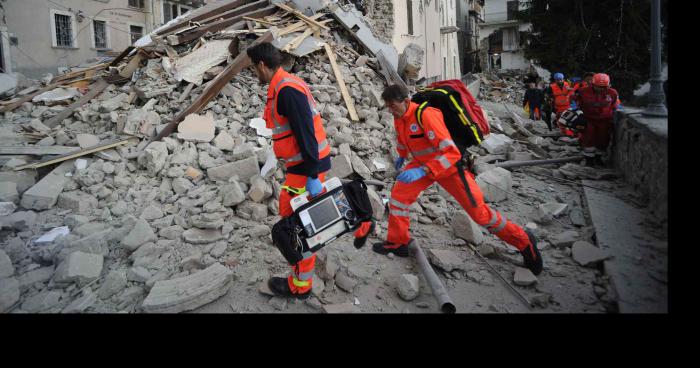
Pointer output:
x,y
500,41
40,36
470,13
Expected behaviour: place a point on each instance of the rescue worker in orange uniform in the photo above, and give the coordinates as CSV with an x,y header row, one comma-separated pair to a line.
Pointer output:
x,y
559,93
598,103
299,140
434,160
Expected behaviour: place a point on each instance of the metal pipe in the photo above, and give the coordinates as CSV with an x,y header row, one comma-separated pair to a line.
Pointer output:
x,y
443,299
368,182
508,164
656,92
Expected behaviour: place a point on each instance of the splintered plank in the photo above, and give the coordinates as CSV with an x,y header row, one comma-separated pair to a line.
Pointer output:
x,y
341,82
36,150
96,89
75,154
189,292
302,16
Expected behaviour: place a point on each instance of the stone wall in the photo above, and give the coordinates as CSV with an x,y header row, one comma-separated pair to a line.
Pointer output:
x,y
640,153
380,15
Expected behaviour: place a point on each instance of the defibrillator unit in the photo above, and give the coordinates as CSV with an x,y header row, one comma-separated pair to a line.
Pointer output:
x,y
319,220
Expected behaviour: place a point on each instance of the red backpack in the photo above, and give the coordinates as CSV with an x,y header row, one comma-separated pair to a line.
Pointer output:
x,y
476,114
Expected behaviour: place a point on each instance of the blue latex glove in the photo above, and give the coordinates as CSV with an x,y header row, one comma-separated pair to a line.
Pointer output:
x,y
398,163
313,186
410,175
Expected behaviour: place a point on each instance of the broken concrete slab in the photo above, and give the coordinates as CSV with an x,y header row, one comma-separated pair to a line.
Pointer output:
x,y
445,259
341,167
77,201
546,212
411,61
44,194
377,204
189,292
586,254
79,267
245,169
20,221
197,128
42,301
524,277
39,275
6,268
496,143
495,184
232,194
408,287
224,141
113,283
464,227
141,123
57,94
140,234
360,168
23,179
154,157
192,66
87,140
260,189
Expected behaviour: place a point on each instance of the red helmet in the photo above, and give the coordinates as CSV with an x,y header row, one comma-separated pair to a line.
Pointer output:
x,y
601,80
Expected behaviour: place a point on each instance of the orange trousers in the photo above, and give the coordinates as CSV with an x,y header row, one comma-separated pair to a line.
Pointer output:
x,y
403,195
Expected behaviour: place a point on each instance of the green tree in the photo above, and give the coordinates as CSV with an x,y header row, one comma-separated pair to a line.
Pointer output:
x,y
601,36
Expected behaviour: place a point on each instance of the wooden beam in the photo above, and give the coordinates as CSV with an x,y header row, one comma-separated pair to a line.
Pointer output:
x,y
260,21
132,65
96,89
295,26
253,9
207,15
297,40
185,93
78,153
121,56
35,150
215,85
302,16
341,83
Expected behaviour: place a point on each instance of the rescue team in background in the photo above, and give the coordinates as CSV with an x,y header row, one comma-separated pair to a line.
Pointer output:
x,y
592,95
299,140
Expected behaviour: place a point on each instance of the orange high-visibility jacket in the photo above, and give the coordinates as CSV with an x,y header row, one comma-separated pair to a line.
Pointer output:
x,y
430,144
562,96
284,143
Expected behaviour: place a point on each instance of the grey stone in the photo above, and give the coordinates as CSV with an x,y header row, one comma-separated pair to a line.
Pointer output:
x,y
87,140
564,239
244,169
190,292
172,232
181,185
345,282
77,201
548,211
224,141
586,254
260,189
138,235
496,143
377,204
197,128
445,259
255,211
151,212
408,287
79,267
200,236
495,184
341,166
232,194
7,208
39,275
278,302
20,220
23,179
154,157
576,217
360,168
141,123
9,293
91,228
40,302
138,274
113,284
464,227
6,268
524,277
8,192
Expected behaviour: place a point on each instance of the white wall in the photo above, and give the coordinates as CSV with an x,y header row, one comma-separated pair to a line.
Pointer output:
x,y
425,34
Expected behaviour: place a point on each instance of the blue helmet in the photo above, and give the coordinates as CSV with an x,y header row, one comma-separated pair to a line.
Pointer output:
x,y
575,79
558,76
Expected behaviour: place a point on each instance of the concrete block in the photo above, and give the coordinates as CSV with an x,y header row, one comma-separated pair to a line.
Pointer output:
x,y
44,194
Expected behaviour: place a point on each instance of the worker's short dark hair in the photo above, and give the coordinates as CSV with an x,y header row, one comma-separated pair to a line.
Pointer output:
x,y
394,93
266,53
588,74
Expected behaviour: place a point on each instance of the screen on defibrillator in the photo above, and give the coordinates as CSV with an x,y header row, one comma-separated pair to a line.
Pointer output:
x,y
323,213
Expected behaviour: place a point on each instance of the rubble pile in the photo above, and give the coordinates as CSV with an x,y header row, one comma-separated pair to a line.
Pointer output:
x,y
501,89
125,221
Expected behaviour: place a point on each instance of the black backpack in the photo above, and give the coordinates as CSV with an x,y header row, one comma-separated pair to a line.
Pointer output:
x,y
464,130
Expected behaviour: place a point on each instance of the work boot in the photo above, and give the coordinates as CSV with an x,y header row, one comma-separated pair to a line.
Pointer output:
x,y
531,255
280,287
400,250
359,242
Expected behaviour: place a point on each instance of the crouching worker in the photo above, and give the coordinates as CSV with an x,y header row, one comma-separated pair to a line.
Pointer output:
x,y
435,158
299,140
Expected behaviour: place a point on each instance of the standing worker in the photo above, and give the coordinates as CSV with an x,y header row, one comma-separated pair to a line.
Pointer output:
x,y
598,103
298,139
533,99
559,94
435,158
